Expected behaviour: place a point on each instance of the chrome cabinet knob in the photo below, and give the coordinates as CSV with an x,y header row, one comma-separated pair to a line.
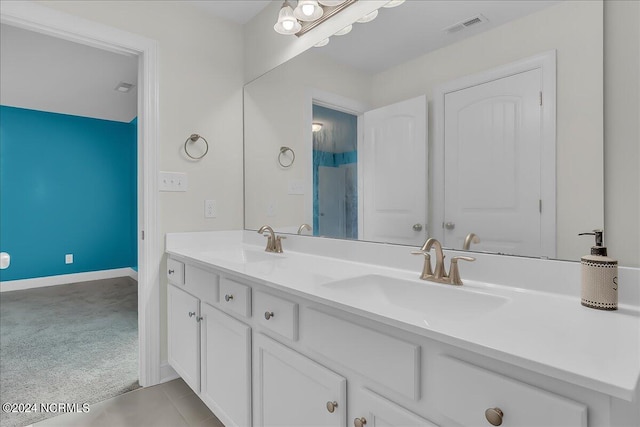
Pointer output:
x,y
449,225
331,406
199,318
192,313
417,227
171,271
494,416
359,422
228,297
268,315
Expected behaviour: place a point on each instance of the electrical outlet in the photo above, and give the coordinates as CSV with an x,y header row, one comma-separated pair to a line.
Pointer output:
x,y
173,181
68,259
210,210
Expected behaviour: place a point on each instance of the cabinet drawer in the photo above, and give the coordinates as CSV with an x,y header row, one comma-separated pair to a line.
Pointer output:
x,y
175,271
463,393
392,363
276,314
235,297
202,283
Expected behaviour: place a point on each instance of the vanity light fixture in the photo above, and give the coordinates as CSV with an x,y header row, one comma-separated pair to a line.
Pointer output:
x,y
124,87
368,17
393,3
287,22
315,127
308,10
307,15
345,30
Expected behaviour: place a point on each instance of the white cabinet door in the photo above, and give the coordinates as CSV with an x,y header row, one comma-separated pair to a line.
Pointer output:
x,y
370,410
184,335
226,367
293,391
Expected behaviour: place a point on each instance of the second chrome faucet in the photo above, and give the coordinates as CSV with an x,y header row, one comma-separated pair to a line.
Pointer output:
x,y
440,274
274,243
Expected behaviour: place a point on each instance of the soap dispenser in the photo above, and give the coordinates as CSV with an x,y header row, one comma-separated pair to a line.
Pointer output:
x,y
599,277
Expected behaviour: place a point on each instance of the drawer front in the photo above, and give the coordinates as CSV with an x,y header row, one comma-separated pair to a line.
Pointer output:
x,y
463,393
277,315
366,351
202,283
175,272
235,297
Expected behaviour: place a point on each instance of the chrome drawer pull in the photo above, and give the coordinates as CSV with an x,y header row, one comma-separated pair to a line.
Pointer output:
x,y
359,422
494,416
331,406
268,315
171,271
228,297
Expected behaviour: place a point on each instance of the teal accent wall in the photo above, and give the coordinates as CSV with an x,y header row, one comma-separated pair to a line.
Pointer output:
x,y
68,185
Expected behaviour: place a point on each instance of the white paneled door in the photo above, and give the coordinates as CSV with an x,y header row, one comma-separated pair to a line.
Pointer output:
x,y
492,151
393,160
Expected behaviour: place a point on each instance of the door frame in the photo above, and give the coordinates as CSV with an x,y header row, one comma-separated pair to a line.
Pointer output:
x,y
339,103
546,63
35,17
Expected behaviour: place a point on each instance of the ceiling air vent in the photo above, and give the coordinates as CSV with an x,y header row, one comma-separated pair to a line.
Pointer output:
x,y
459,26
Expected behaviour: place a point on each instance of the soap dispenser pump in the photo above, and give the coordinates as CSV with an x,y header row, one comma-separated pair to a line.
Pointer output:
x,y
599,276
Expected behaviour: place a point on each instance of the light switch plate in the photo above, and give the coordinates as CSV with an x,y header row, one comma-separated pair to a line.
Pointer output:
x,y
210,209
173,181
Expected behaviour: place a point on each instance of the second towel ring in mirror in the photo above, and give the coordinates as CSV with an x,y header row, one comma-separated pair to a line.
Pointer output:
x,y
193,138
282,157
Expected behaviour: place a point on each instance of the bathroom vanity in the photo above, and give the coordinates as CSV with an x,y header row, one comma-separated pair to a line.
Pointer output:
x,y
339,333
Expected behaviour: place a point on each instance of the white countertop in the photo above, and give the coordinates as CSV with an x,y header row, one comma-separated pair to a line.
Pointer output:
x,y
549,333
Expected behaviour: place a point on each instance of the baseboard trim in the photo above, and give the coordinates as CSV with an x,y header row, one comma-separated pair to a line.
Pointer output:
x,y
63,279
167,373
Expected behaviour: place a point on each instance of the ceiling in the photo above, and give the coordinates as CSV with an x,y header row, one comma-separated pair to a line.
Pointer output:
x,y
45,73
238,11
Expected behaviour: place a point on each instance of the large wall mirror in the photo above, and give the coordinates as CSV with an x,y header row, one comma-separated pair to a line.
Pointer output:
x,y
479,123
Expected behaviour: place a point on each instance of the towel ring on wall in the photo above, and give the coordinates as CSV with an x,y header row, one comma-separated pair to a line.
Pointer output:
x,y
193,138
283,150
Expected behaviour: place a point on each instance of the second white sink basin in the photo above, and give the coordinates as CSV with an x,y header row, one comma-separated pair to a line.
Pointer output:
x,y
434,301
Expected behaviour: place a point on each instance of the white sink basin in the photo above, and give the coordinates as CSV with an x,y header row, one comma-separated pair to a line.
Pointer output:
x,y
243,256
432,300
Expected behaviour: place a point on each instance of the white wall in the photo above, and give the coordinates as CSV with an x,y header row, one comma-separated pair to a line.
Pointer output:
x,y
568,27
200,63
622,130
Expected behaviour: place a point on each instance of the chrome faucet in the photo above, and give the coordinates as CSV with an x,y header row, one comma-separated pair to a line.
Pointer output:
x,y
440,274
471,238
304,227
274,243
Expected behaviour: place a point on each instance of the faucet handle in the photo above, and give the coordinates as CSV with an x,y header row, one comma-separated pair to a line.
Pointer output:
x,y
278,245
426,269
454,273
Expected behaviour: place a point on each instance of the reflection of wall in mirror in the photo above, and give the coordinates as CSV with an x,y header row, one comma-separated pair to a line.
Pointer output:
x,y
274,114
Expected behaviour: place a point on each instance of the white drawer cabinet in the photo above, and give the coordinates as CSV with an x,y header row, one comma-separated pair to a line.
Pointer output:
x,y
292,390
235,297
183,312
277,314
226,367
465,392
175,272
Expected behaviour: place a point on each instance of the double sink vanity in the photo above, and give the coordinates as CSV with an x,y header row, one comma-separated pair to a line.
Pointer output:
x,y
339,333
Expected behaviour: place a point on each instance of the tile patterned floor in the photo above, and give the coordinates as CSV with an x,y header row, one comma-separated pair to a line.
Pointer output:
x,y
172,404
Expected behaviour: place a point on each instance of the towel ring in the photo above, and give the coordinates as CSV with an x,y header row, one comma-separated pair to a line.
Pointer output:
x,y
283,150
193,138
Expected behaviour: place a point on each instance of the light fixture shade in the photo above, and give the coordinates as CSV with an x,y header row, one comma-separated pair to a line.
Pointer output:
x,y
345,30
393,3
368,17
287,23
322,43
308,10
315,127
331,3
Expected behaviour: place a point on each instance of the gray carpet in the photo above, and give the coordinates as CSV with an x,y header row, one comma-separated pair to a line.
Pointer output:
x,y
70,343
